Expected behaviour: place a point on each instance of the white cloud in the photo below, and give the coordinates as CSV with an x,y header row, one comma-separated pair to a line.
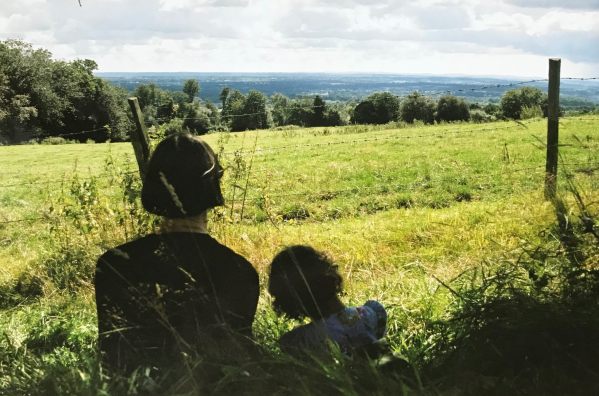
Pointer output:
x,y
565,4
169,5
433,36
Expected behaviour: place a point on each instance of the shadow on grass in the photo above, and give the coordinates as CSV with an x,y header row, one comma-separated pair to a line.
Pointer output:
x,y
531,327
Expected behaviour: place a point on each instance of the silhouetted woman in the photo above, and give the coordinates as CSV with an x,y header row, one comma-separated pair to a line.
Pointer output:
x,y
165,296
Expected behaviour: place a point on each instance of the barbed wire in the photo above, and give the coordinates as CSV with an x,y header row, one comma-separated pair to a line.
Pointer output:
x,y
505,85
265,112
389,186
483,87
386,186
449,131
356,189
441,134
281,148
221,116
591,164
64,180
233,115
45,174
578,119
81,133
44,136
579,78
374,139
32,219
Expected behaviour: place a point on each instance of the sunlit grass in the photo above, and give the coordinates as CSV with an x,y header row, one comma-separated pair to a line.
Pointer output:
x,y
399,208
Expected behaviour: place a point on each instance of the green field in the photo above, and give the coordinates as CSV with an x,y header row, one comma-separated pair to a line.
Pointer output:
x,y
402,210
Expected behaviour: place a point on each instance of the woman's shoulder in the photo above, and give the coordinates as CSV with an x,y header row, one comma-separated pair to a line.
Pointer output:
x,y
231,256
129,250
152,251
224,249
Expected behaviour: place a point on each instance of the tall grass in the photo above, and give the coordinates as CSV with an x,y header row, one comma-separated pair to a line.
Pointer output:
x,y
489,289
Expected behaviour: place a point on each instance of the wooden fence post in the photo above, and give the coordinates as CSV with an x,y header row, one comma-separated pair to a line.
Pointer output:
x,y
552,129
139,138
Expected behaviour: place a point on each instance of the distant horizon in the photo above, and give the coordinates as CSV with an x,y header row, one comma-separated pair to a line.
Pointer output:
x,y
347,85
347,73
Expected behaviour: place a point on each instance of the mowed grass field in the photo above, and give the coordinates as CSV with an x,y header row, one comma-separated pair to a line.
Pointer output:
x,y
399,208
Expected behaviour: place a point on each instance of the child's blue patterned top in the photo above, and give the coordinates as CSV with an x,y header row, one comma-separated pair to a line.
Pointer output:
x,y
351,328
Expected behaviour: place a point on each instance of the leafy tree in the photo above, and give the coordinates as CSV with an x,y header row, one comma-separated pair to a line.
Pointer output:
x,y
159,106
299,112
280,109
245,112
452,108
113,102
15,115
365,113
233,109
173,126
417,107
150,114
304,112
224,94
15,110
28,88
378,108
197,119
513,101
191,88
531,112
256,115
151,94
54,97
492,109
213,113
386,105
318,112
95,104
167,111
480,116
333,118
179,99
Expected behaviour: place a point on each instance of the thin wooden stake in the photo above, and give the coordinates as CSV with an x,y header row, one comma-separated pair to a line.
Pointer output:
x,y
139,138
552,129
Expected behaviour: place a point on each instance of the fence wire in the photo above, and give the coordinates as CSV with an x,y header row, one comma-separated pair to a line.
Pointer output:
x,y
505,85
443,133
407,186
276,149
356,189
455,132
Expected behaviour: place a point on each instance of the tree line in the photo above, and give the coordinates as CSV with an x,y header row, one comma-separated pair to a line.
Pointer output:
x,y
42,97
171,111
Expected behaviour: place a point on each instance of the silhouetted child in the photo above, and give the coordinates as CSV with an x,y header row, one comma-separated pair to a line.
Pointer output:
x,y
305,283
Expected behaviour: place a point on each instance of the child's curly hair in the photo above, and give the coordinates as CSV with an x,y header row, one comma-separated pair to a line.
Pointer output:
x,y
301,280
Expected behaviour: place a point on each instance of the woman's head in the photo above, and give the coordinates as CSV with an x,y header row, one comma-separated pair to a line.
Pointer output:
x,y
302,280
183,178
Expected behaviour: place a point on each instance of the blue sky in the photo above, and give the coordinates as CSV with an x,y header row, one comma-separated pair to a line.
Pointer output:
x,y
471,37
